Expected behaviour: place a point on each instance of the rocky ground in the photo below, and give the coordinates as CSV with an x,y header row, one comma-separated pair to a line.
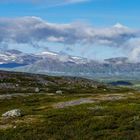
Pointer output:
x,y
98,116
67,108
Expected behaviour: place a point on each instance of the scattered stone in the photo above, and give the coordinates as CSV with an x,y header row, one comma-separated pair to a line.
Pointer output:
x,y
17,85
37,90
136,118
94,86
15,127
59,92
12,113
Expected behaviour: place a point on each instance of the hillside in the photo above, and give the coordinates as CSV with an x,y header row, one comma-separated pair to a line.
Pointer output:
x,y
61,108
14,82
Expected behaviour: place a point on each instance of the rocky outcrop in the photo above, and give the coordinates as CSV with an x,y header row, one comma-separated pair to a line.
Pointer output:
x,y
12,113
37,90
59,92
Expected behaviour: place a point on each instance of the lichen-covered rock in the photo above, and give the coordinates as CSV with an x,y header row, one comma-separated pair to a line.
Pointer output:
x,y
59,92
12,113
37,90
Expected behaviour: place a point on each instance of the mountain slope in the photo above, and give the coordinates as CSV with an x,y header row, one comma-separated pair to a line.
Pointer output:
x,y
62,64
110,67
15,58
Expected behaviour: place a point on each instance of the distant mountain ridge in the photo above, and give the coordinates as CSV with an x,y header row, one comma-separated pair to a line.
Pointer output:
x,y
17,58
62,64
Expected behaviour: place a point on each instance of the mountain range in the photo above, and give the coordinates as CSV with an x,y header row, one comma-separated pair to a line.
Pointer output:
x,y
62,64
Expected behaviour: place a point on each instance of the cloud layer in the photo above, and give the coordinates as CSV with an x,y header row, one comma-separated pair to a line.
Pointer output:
x,y
33,29
30,29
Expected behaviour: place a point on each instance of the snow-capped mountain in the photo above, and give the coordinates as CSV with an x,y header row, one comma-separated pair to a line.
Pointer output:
x,y
15,58
8,56
62,57
108,68
62,64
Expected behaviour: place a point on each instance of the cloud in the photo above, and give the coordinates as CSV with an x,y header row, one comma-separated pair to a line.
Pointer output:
x,y
47,2
31,30
133,46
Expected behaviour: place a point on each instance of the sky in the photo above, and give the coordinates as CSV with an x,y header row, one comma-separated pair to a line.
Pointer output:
x,y
95,29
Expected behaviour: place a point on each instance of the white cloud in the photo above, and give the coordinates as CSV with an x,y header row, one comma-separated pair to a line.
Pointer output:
x,y
30,30
133,47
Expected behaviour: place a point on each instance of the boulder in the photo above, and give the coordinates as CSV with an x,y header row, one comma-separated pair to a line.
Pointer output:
x,y
37,90
12,113
59,92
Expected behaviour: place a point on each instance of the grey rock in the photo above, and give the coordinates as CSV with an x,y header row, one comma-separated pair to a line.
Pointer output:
x,y
37,90
12,113
59,92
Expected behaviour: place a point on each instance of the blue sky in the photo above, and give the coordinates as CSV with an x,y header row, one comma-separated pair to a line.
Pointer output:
x,y
95,13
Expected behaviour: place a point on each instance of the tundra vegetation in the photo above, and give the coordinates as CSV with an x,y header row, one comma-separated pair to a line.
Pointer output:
x,y
81,110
